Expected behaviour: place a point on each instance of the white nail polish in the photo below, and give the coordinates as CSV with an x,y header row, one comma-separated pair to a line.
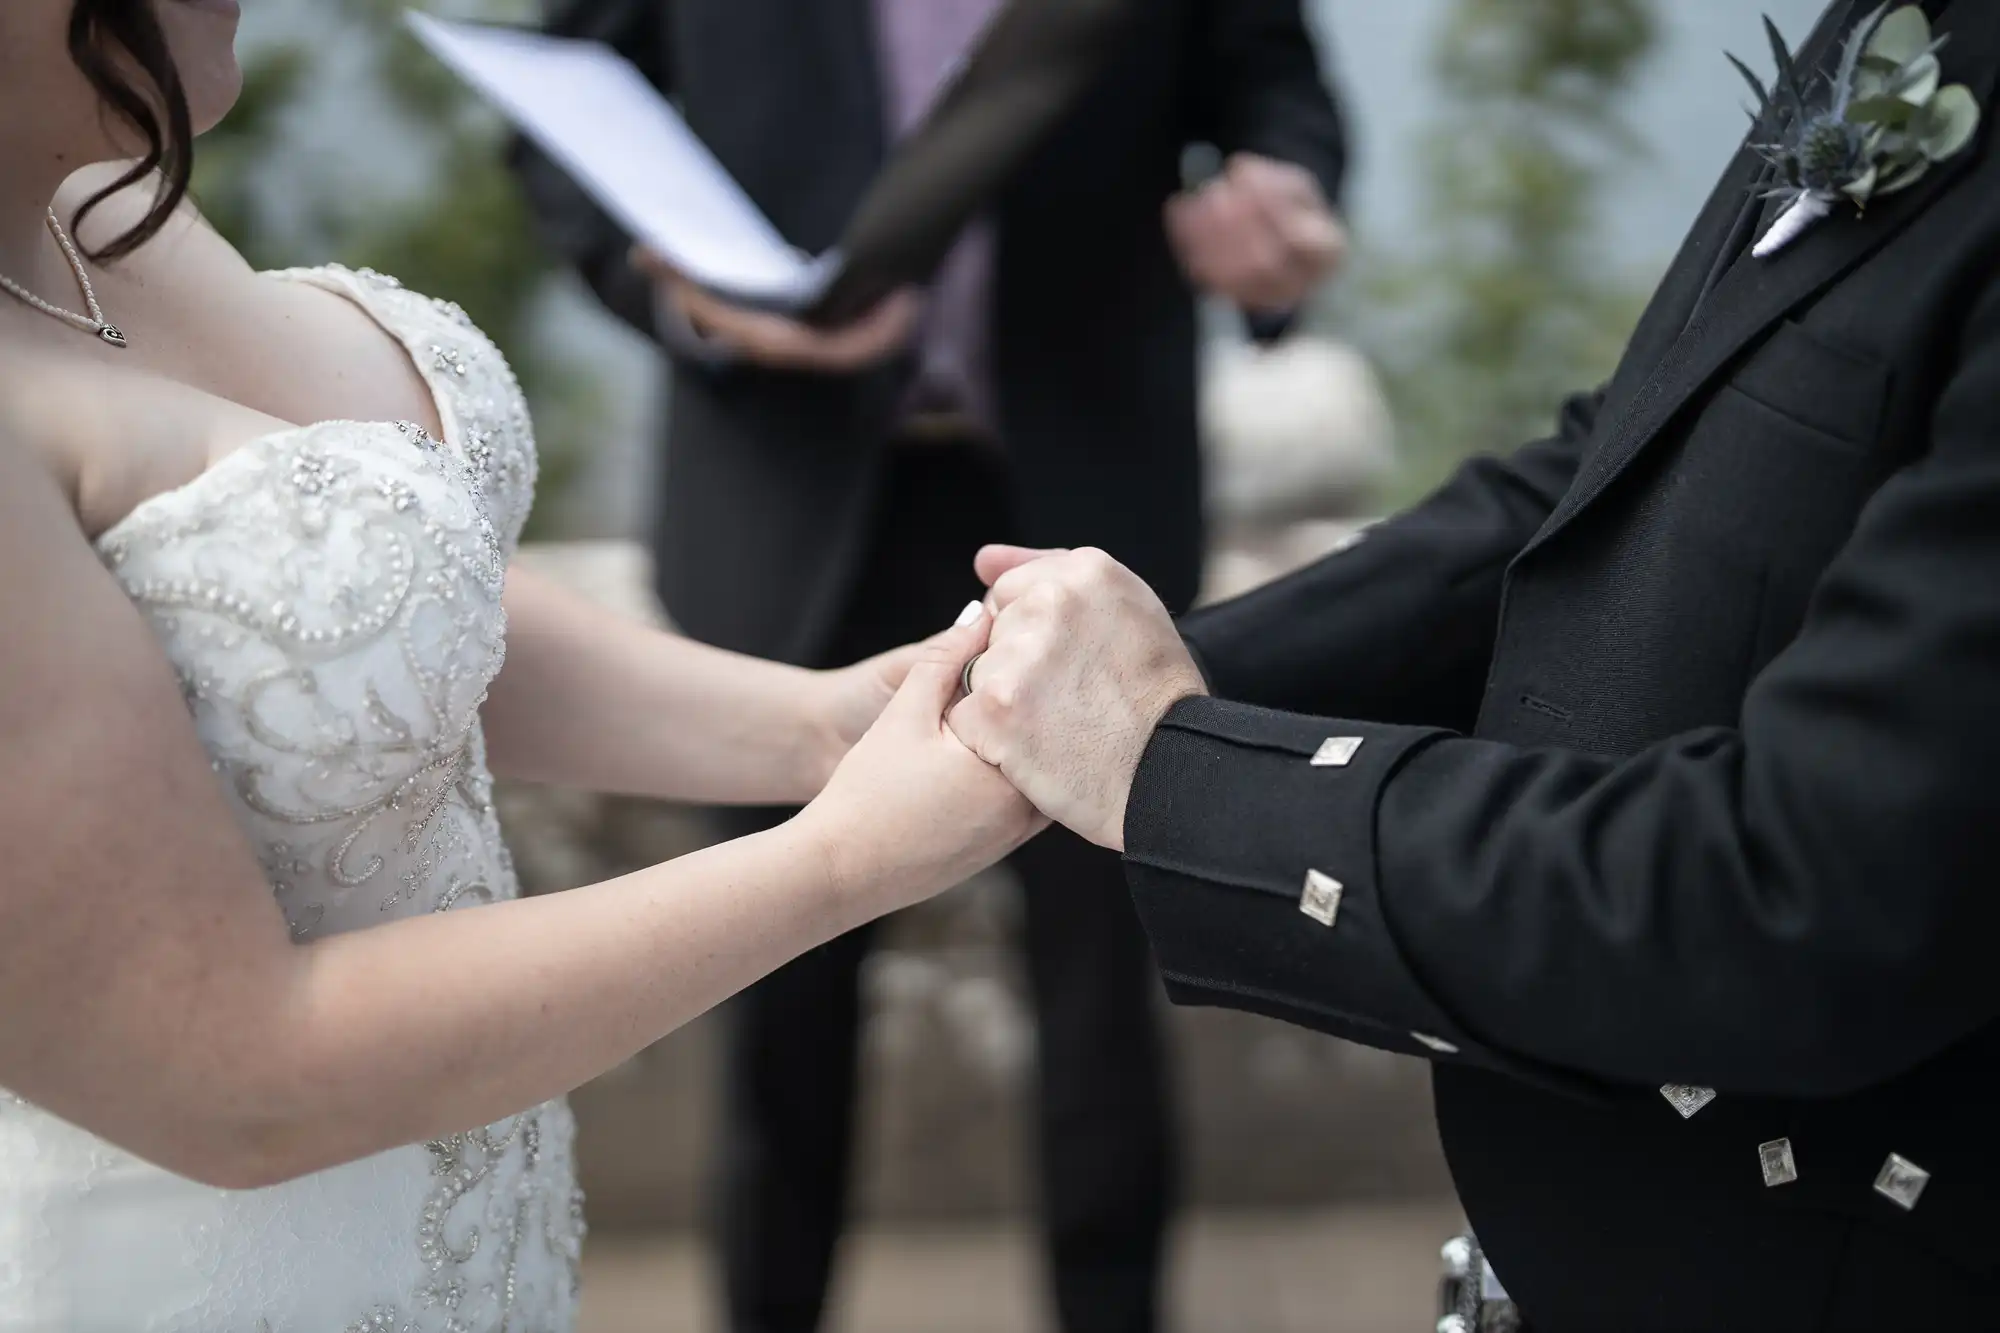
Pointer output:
x,y
969,616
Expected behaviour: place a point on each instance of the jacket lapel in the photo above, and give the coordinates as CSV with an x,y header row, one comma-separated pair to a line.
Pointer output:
x,y
1758,293
1670,310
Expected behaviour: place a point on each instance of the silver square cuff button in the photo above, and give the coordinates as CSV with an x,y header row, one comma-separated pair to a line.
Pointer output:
x,y
1336,751
1776,1159
1321,899
1901,1181
1687,1098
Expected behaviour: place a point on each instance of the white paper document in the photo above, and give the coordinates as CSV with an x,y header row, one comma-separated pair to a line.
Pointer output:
x,y
590,110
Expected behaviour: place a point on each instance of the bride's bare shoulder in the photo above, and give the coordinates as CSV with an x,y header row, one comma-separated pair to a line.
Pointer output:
x,y
187,252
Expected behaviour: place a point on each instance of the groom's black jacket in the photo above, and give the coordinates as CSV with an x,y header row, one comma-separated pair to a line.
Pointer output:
x,y
1680,765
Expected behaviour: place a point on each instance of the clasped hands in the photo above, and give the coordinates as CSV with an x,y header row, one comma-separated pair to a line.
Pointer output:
x,y
1072,662
1082,662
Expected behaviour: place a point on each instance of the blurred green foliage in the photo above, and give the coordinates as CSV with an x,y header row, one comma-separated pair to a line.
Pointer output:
x,y
466,236
1503,304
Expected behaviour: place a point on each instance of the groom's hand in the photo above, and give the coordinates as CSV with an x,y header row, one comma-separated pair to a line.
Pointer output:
x,y
1084,662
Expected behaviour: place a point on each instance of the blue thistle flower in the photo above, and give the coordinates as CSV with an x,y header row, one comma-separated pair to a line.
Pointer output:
x,y
1874,127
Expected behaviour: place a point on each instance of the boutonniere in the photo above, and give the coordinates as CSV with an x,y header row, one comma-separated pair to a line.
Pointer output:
x,y
1882,121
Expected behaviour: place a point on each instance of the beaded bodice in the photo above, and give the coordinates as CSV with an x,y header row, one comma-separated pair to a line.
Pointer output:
x,y
330,597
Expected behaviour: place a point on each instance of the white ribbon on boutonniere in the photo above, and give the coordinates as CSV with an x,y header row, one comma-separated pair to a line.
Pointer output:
x,y
1873,128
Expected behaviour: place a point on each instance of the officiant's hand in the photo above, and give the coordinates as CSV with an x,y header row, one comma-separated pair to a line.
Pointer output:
x,y
1083,662
781,343
1260,235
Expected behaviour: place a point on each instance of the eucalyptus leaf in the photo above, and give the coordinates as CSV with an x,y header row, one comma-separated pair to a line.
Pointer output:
x,y
1882,110
1903,178
1896,150
1902,36
1862,187
1950,121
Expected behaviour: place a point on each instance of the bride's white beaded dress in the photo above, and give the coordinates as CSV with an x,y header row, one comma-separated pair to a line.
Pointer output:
x,y
330,597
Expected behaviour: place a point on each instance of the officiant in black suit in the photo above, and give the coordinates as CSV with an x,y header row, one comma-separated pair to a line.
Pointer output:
x,y
825,492
1643,781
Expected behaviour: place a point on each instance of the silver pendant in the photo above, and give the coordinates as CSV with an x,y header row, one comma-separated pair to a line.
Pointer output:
x,y
110,334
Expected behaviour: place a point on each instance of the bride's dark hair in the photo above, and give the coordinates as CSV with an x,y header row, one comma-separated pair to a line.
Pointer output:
x,y
106,38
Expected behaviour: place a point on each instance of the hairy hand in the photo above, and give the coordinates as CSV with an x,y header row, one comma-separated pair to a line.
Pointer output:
x,y
1083,663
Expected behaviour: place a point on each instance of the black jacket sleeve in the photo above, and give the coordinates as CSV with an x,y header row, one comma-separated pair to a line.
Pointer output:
x,y
568,220
1262,91
1801,906
1399,627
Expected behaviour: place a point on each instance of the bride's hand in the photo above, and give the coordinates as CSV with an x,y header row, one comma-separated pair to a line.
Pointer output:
x,y
910,811
845,703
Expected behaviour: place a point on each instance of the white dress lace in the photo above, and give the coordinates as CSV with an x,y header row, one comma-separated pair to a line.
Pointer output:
x,y
330,597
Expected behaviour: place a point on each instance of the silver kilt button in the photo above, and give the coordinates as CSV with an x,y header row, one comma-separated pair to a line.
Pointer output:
x,y
1336,751
1687,1098
1776,1159
1901,1181
1321,897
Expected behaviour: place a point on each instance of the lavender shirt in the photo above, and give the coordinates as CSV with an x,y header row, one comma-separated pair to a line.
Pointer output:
x,y
922,43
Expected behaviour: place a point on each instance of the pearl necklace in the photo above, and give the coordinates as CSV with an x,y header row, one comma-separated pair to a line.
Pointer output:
x,y
94,322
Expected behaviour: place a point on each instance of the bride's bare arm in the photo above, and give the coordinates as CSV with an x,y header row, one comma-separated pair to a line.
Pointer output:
x,y
150,993
591,699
